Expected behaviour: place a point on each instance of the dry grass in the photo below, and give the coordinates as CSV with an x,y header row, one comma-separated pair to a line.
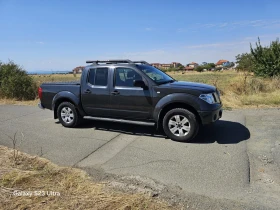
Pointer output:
x,y
76,189
55,78
17,102
238,90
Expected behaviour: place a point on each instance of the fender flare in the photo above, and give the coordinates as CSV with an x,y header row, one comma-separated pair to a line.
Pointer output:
x,y
184,98
67,96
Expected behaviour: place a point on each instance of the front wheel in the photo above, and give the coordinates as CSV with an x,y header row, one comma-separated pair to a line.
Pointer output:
x,y
68,115
180,125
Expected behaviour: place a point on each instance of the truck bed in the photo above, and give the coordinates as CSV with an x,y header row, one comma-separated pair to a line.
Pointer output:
x,y
53,88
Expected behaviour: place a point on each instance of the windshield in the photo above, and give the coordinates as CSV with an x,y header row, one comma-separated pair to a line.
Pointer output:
x,y
155,74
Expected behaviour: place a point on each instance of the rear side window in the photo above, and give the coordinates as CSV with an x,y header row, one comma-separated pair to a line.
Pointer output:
x,y
91,76
98,76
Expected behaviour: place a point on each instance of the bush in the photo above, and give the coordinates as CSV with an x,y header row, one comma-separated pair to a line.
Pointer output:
x,y
266,60
15,82
199,69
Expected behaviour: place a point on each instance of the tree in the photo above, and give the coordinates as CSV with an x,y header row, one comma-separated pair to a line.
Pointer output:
x,y
232,64
210,66
266,60
199,68
245,62
180,67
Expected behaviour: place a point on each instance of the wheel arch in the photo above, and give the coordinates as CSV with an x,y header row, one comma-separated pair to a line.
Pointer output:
x,y
174,105
176,100
66,97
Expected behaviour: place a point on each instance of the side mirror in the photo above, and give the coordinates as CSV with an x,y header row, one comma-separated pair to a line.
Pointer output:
x,y
139,83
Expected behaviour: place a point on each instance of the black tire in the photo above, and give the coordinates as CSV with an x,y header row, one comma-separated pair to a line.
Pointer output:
x,y
192,125
73,121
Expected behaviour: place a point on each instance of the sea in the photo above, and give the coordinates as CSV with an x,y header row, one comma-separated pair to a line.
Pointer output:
x,y
49,72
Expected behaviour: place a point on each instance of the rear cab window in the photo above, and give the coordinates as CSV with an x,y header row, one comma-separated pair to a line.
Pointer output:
x,y
98,77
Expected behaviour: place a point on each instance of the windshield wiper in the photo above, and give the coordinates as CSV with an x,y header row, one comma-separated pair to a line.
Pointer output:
x,y
168,81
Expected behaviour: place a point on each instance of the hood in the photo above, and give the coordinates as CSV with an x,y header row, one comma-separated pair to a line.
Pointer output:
x,y
204,88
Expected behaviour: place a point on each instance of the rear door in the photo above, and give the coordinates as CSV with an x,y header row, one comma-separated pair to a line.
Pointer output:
x,y
128,101
95,92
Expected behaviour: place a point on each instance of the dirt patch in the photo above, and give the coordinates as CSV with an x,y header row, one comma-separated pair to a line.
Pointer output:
x,y
174,195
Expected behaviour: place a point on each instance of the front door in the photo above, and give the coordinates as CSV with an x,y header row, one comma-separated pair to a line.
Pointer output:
x,y
96,93
128,101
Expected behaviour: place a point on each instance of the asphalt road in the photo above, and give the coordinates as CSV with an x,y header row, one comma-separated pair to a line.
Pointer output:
x,y
215,164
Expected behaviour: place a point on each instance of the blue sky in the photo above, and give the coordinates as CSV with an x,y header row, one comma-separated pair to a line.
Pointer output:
x,y
60,35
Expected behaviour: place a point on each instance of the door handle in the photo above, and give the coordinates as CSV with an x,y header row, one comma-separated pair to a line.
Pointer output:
x,y
115,92
87,91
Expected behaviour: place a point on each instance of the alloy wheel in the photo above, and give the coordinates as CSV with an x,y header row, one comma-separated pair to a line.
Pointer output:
x,y
179,125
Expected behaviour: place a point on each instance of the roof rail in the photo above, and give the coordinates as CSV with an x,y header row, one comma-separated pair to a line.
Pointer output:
x,y
142,62
109,61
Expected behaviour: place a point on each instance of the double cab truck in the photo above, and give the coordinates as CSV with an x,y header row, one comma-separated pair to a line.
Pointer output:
x,y
133,92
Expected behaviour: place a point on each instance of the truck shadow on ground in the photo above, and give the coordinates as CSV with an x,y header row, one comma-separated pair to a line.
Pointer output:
x,y
222,132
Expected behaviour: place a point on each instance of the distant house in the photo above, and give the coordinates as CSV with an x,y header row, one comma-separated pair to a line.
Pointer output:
x,y
191,66
166,66
227,64
78,70
157,65
176,64
223,63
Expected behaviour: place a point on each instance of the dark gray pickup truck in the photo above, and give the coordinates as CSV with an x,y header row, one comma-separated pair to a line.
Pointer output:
x,y
133,92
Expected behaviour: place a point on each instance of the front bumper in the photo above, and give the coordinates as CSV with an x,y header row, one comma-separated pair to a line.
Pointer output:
x,y
208,117
41,106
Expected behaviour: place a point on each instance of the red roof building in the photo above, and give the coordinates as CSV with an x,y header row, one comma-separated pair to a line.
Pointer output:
x,y
220,62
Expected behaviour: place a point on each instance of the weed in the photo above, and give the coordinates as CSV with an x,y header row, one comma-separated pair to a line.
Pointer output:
x,y
15,146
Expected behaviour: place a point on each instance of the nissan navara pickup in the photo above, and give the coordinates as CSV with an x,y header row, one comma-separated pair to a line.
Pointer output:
x,y
133,92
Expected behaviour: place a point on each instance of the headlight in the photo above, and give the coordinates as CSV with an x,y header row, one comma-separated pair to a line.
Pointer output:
x,y
208,98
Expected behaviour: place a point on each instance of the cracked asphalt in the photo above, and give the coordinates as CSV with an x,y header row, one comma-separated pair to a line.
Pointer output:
x,y
215,164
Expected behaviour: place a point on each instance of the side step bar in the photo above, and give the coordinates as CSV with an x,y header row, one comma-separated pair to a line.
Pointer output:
x,y
120,121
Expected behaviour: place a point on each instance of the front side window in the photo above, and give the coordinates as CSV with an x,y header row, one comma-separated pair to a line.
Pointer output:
x,y
124,77
98,76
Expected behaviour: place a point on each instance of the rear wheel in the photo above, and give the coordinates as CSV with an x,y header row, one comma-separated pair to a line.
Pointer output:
x,y
68,115
180,125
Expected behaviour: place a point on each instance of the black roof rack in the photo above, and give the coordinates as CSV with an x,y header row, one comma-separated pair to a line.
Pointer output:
x,y
109,61
96,62
142,62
